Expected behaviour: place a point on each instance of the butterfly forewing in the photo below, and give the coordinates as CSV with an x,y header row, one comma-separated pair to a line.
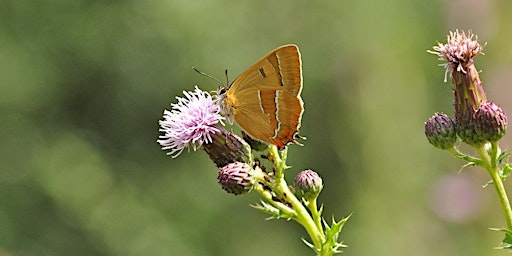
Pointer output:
x,y
280,69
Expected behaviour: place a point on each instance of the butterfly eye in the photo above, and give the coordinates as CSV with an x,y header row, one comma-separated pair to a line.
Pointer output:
x,y
222,90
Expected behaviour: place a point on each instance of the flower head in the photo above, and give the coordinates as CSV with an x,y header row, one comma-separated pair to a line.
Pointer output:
x,y
190,123
459,51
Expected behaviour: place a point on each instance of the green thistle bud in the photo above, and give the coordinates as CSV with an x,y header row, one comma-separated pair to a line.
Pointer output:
x,y
308,184
490,121
226,148
236,178
441,131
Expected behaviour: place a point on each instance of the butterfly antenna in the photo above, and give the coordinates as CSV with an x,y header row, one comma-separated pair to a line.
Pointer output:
x,y
204,74
227,78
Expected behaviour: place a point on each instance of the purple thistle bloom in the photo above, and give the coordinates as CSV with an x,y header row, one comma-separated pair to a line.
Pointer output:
x,y
190,123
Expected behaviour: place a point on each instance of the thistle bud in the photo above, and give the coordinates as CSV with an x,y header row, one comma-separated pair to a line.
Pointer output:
x,y
466,128
441,131
236,178
308,184
227,147
490,121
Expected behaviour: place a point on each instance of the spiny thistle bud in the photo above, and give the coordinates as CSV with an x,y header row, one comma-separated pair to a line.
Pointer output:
x,y
440,131
236,178
308,184
227,147
490,121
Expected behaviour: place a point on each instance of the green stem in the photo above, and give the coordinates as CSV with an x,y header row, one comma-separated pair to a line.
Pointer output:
x,y
312,205
279,161
489,159
282,190
302,216
268,197
455,152
316,215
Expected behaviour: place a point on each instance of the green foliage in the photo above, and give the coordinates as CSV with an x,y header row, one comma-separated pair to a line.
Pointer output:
x,y
275,213
507,241
332,233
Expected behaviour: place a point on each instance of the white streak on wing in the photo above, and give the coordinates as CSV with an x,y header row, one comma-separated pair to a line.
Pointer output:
x,y
279,69
276,101
261,102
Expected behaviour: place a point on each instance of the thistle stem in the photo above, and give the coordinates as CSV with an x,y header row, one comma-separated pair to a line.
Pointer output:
x,y
282,190
316,214
489,160
302,216
455,152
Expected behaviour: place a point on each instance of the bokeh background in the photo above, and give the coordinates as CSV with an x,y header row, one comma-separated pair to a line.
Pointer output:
x,y
83,84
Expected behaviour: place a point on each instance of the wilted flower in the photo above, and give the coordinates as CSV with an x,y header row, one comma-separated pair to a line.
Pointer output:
x,y
440,131
458,52
308,184
190,123
236,178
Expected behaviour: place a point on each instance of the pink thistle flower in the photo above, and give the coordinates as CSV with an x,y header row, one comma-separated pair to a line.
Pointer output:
x,y
190,123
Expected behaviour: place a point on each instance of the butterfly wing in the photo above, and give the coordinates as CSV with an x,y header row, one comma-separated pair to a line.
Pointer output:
x,y
279,69
265,99
269,115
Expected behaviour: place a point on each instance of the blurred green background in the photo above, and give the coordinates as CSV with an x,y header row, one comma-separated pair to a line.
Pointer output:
x,y
84,83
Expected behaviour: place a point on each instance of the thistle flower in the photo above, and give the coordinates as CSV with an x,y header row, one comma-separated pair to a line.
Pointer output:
x,y
490,121
459,53
236,178
190,123
440,131
308,184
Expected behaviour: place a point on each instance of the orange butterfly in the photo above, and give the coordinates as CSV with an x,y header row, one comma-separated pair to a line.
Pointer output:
x,y
265,99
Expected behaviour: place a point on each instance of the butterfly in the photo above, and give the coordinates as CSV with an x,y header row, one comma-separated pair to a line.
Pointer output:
x,y
265,99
